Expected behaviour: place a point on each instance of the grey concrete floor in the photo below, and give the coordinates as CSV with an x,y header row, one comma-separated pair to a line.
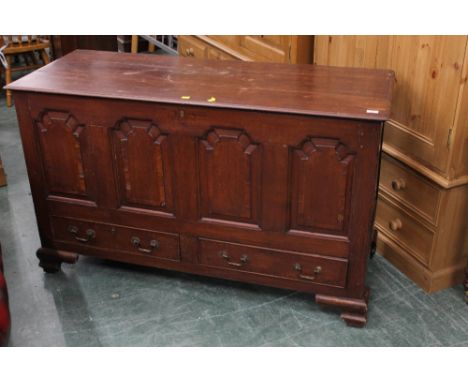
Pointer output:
x,y
100,303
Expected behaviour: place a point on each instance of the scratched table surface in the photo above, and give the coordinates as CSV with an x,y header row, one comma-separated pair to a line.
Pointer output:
x,y
300,89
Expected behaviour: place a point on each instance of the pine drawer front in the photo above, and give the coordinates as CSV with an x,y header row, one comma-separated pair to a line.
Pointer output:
x,y
410,189
217,54
113,237
410,234
191,47
272,51
288,265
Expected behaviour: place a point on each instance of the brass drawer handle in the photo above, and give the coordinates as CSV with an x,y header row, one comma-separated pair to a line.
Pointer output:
x,y
90,234
189,52
298,268
398,184
243,259
136,242
395,224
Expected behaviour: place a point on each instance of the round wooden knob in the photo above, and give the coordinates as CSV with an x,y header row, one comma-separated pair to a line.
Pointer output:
x,y
395,224
398,184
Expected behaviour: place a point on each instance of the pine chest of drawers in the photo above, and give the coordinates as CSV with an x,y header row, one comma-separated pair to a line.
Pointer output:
x,y
261,173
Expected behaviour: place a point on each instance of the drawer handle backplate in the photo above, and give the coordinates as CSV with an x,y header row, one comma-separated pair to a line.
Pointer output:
x,y
136,242
90,234
298,268
243,259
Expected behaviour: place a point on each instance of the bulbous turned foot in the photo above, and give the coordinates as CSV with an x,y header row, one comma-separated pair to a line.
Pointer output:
x,y
353,310
50,260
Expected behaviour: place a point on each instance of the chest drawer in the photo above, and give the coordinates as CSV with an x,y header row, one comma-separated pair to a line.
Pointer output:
x,y
406,231
106,236
266,261
271,48
409,188
216,54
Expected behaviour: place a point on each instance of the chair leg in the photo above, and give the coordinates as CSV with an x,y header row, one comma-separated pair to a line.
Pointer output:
x,y
134,46
45,56
8,80
34,58
27,59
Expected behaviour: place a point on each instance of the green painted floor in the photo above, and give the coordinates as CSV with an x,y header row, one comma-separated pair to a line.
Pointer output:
x,y
98,303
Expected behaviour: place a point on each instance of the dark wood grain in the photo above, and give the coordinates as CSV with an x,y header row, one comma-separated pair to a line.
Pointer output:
x,y
303,89
237,192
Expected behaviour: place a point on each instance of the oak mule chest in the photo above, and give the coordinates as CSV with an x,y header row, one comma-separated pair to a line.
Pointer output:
x,y
257,172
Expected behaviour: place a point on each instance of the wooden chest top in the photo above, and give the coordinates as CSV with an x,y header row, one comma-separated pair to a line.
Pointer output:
x,y
298,89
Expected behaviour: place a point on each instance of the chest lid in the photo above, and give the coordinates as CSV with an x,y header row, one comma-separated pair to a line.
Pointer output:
x,y
298,89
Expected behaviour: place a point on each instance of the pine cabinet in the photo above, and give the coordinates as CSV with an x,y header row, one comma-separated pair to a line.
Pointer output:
x,y
423,199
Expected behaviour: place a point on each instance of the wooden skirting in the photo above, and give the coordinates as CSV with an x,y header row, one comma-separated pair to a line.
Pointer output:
x,y
427,280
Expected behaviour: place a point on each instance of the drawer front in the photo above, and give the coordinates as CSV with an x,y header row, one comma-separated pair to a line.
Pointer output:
x,y
407,232
409,188
106,236
289,265
274,50
191,47
216,54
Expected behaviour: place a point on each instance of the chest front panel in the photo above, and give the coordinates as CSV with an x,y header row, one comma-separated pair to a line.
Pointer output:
x,y
239,172
64,154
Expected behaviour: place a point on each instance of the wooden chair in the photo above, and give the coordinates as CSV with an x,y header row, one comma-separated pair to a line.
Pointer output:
x,y
24,46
